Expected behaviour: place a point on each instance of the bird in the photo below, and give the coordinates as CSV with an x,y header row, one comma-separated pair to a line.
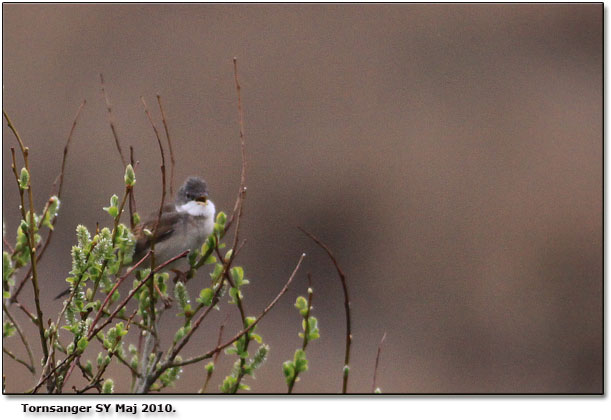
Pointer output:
x,y
184,225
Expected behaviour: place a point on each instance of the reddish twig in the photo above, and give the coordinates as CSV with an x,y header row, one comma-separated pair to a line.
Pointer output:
x,y
159,214
132,198
237,208
111,122
216,355
342,278
21,336
167,135
8,245
60,177
375,369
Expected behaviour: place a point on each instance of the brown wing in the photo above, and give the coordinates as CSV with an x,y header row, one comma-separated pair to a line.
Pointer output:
x,y
164,230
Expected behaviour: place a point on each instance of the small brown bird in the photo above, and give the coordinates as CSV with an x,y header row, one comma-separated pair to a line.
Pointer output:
x,y
184,225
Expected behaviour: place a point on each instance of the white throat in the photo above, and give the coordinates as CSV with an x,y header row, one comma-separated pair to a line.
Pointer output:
x,y
194,208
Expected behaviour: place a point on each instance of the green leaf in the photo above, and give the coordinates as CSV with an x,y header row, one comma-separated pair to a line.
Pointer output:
x,y
113,209
260,356
108,386
221,218
218,270
300,361
8,329
237,273
235,294
130,176
228,384
192,258
205,296
302,305
24,179
51,212
210,368
288,369
181,294
82,344
136,218
313,332
179,334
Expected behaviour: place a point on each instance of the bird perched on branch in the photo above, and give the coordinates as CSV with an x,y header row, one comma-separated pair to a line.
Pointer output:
x,y
184,225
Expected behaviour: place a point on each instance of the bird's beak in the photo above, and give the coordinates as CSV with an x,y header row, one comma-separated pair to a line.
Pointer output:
x,y
202,199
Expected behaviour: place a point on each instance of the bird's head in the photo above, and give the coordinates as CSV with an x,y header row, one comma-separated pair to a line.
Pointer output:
x,y
192,197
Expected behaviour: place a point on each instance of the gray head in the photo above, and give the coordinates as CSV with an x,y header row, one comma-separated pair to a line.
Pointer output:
x,y
194,188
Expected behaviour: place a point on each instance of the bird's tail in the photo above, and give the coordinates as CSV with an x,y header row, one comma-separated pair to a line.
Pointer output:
x,y
62,294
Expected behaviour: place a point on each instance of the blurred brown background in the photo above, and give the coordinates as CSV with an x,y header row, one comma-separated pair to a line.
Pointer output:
x,y
450,155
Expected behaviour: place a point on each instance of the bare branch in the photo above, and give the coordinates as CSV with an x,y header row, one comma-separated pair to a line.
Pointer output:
x,y
60,177
375,370
18,360
342,278
21,336
237,209
167,135
111,121
132,198
216,356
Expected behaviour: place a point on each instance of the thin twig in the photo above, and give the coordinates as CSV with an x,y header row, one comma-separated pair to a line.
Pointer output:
x,y
167,135
111,122
132,198
240,206
237,209
26,311
18,360
342,278
375,369
66,148
154,237
216,356
21,336
8,245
